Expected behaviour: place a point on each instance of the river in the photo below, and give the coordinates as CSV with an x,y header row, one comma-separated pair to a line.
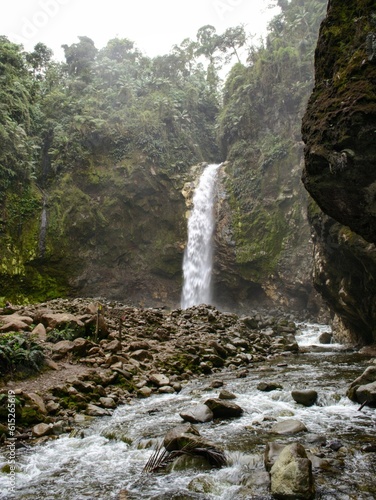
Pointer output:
x,y
111,453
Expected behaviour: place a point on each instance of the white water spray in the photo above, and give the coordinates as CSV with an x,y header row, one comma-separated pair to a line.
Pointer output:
x,y
198,256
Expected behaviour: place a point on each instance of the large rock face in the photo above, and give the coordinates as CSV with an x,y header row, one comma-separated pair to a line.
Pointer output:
x,y
339,127
339,130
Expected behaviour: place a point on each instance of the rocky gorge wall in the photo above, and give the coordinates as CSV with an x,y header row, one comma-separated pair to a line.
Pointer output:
x,y
339,132
120,233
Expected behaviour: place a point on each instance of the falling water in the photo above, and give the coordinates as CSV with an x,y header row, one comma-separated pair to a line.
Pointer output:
x,y
198,256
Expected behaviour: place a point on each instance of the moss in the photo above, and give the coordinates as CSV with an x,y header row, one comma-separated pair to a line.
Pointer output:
x,y
30,415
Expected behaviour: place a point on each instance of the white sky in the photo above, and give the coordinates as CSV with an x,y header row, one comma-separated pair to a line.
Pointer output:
x,y
154,25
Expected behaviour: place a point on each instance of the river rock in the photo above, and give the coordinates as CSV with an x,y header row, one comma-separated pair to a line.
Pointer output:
x,y
199,414
224,409
366,394
144,392
96,411
367,377
107,402
305,397
291,474
178,437
224,394
41,430
325,338
268,386
159,379
271,453
290,426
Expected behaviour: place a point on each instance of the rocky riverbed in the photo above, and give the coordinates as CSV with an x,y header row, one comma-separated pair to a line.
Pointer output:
x,y
98,355
107,359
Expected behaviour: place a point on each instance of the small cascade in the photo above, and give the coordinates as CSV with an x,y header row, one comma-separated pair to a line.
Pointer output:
x,y
198,256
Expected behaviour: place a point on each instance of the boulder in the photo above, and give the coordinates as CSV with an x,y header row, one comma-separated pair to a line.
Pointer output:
x,y
291,474
305,397
60,349
366,394
325,338
107,402
14,323
61,320
177,437
40,332
289,426
142,355
96,411
224,409
159,379
113,346
367,377
199,414
41,430
268,386
37,401
224,394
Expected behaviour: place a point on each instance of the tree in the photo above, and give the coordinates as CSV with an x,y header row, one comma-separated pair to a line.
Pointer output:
x,y
80,57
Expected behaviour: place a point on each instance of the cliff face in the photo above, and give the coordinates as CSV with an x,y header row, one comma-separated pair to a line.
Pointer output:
x,y
339,130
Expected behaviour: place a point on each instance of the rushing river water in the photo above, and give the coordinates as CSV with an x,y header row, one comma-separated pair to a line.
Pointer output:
x,y
112,452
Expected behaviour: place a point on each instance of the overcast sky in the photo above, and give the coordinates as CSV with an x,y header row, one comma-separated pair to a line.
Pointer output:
x,y
154,25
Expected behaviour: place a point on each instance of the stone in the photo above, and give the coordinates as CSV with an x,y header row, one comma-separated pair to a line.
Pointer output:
x,y
159,379
52,407
224,394
96,411
166,389
41,430
37,401
367,377
51,364
142,355
144,392
305,397
224,409
81,346
107,402
289,426
291,475
325,338
113,346
62,348
366,394
61,320
15,325
183,436
268,386
40,332
139,345
199,414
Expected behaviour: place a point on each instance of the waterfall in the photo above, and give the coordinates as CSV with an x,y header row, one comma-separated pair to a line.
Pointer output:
x,y
198,255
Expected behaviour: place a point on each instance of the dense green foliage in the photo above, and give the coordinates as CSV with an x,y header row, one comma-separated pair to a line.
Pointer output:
x,y
19,353
259,132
